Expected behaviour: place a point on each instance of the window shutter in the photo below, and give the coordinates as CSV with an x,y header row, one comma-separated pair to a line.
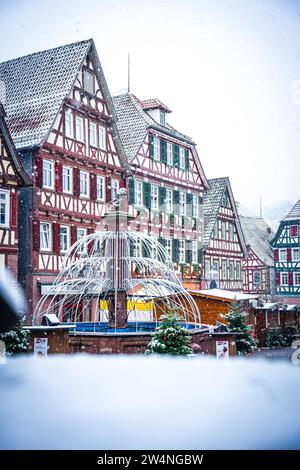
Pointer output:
x,y
39,171
162,241
108,189
200,206
131,247
291,282
76,182
151,149
175,250
278,279
199,256
163,151
189,204
56,238
122,183
176,155
147,195
131,191
13,210
93,186
187,159
188,256
73,234
58,177
36,235
145,251
162,197
277,255
176,201
289,254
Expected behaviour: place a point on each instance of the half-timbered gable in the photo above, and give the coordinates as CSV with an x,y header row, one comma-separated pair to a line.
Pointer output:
x,y
286,246
167,183
224,246
12,177
258,267
63,123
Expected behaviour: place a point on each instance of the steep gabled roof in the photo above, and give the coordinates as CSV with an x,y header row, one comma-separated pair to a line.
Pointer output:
x,y
212,203
258,236
12,149
294,213
36,85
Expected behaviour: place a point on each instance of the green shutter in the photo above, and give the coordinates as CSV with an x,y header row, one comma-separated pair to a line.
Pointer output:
x,y
189,204
131,247
163,151
151,149
145,250
187,159
200,256
162,197
176,155
131,191
176,201
162,241
147,195
200,206
188,252
175,250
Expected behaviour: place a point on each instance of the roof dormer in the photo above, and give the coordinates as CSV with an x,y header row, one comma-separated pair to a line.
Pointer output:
x,y
156,110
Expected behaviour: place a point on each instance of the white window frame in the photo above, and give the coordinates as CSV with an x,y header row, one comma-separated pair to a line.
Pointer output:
x,y
169,201
154,197
295,276
231,271
88,81
256,272
100,183
69,123
224,271
69,177
115,188
223,231
162,118
49,247
137,248
282,275
195,206
50,172
79,126
182,203
156,149
238,270
101,135
170,160
93,134
181,256
84,181
68,238
138,193
282,254
181,158
231,232
296,258
6,204
169,247
194,252
81,248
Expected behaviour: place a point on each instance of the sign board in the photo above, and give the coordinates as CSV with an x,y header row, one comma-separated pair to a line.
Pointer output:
x,y
222,349
40,347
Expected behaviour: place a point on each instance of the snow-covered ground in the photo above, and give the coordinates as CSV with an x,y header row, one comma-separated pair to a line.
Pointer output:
x,y
90,402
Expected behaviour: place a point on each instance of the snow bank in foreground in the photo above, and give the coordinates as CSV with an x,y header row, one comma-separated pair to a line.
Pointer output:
x,y
82,402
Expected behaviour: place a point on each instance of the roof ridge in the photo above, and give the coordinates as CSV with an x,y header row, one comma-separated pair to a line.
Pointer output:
x,y
290,214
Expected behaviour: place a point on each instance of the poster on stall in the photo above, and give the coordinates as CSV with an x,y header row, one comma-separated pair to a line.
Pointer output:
x,y
222,349
40,347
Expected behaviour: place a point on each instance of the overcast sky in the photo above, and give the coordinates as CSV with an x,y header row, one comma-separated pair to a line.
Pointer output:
x,y
228,69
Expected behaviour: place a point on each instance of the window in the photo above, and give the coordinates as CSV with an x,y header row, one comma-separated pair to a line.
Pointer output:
x,y
296,279
81,233
224,268
84,184
257,278
154,250
207,267
115,186
169,153
48,174
296,254
231,270
93,136
181,251
182,203
79,129
162,118
181,158
156,149
137,249
69,123
64,235
89,82
282,254
154,197
216,265
4,208
100,181
225,200
169,201
102,137
216,230
284,279
223,228
238,271
67,179
138,185
45,240
231,232
294,231
195,206
194,252
168,246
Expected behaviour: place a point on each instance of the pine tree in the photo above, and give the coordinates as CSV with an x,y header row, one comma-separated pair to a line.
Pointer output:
x,y
16,340
236,324
170,337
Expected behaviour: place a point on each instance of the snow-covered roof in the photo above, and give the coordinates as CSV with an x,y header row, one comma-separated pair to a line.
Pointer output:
x,y
225,294
212,203
154,103
258,235
294,213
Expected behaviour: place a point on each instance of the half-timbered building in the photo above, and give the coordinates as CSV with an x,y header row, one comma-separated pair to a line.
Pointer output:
x,y
286,246
224,247
12,177
167,183
258,267
63,123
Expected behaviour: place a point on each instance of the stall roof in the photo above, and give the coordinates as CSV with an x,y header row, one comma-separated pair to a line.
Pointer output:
x,y
224,294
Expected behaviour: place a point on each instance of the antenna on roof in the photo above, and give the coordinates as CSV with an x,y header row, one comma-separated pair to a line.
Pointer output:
x,y
128,70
